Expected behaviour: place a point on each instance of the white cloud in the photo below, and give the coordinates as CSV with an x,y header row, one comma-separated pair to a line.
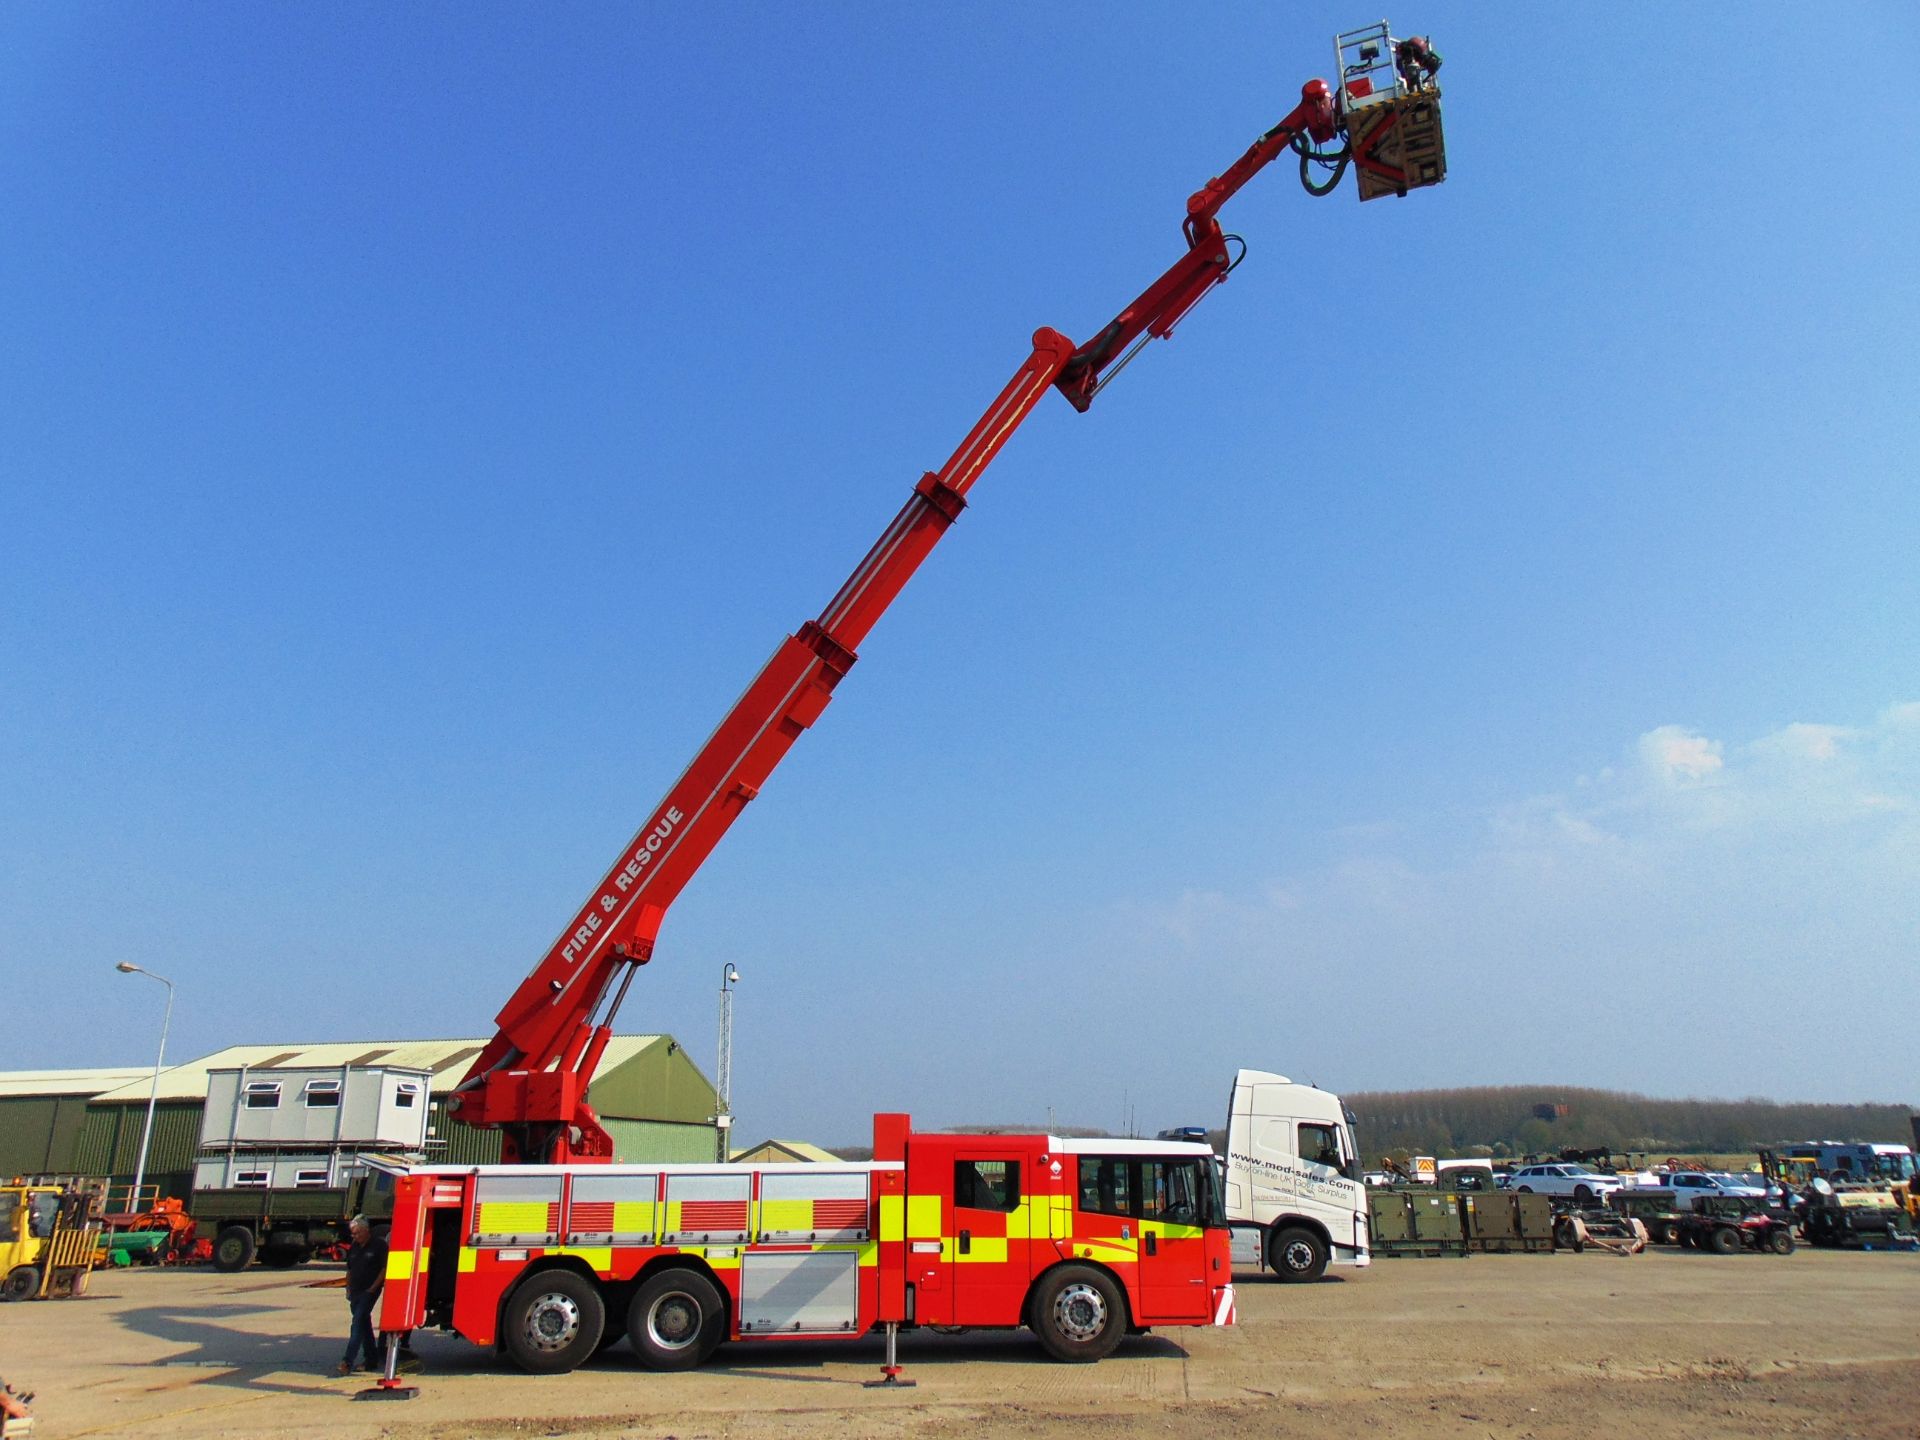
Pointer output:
x,y
1691,921
1672,753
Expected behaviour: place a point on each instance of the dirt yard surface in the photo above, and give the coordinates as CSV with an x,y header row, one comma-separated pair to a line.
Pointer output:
x,y
1670,1345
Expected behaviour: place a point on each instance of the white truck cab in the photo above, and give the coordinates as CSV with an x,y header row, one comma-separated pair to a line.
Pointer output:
x,y
1293,1177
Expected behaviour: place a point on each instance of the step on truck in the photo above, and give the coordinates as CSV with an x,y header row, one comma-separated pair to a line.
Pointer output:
x,y
1294,1194
1081,1241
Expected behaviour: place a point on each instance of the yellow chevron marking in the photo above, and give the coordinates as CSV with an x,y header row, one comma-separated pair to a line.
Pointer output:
x,y
512,1217
633,1217
923,1217
786,1214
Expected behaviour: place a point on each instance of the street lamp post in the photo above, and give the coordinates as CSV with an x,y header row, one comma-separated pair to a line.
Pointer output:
x,y
146,1134
723,1108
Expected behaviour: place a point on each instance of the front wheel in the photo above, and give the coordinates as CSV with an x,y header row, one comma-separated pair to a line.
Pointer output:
x,y
22,1283
1583,1194
233,1249
676,1320
1078,1314
1725,1240
1297,1255
553,1322
1781,1241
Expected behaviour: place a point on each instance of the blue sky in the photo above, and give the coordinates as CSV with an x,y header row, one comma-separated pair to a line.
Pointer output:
x,y
1479,648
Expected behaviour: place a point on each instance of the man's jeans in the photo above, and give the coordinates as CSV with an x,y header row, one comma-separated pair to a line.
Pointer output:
x,y
360,1339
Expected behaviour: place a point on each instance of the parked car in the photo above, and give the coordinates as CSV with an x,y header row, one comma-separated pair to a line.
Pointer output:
x,y
1688,1187
1576,1182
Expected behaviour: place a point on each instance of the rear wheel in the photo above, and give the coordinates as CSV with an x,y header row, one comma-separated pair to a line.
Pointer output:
x,y
553,1322
234,1249
1725,1240
281,1256
1583,1193
1078,1314
676,1320
1523,1189
1297,1255
22,1283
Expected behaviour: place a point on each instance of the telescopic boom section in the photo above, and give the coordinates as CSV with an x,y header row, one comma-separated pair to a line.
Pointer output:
x,y
1165,303
531,1079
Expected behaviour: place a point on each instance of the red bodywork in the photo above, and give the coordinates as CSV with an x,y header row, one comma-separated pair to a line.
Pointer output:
x,y
935,1230
531,1079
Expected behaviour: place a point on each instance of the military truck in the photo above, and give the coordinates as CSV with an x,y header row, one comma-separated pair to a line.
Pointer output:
x,y
282,1162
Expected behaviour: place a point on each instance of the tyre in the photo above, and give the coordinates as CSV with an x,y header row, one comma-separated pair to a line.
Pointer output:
x,y
1725,1240
22,1283
1688,1240
1665,1232
233,1249
285,1257
552,1322
1781,1240
1078,1314
1583,1193
1523,1189
677,1319
1297,1255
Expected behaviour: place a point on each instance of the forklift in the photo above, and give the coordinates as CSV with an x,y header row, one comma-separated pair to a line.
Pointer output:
x,y
48,1235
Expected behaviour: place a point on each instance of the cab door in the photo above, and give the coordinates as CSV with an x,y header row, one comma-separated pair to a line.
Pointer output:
x,y
985,1238
1173,1241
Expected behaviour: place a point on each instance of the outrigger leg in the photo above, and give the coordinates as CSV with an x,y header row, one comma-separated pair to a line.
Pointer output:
x,y
389,1386
890,1372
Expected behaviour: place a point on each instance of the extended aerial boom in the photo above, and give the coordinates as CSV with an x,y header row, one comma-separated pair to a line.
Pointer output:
x,y
531,1079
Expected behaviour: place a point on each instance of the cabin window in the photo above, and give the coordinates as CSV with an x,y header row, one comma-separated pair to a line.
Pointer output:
x,y
986,1184
310,1179
262,1095
251,1179
323,1094
407,1095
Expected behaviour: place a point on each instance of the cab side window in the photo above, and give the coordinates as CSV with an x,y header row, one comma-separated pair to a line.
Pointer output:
x,y
41,1210
986,1184
1320,1145
1170,1191
1106,1185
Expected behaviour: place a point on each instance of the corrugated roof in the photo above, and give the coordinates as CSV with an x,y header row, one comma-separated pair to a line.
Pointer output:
x,y
70,1082
447,1059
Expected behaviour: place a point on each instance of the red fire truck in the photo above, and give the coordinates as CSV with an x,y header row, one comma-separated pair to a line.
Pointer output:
x,y
560,1249
1082,1240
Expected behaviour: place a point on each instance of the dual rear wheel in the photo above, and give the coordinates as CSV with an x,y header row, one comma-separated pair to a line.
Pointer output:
x,y
556,1320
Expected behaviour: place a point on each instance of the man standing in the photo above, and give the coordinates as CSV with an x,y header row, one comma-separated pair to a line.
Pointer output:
x,y
366,1273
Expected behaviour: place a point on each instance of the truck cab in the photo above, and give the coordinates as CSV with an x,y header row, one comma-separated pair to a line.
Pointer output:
x,y
1293,1178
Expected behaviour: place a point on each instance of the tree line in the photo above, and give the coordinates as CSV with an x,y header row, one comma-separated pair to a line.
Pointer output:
x,y
1510,1120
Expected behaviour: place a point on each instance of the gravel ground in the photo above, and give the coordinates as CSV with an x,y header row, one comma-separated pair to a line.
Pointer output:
x,y
1669,1345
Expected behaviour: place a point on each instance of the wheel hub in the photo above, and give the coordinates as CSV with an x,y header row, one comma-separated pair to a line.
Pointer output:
x,y
674,1321
1298,1255
1080,1312
553,1322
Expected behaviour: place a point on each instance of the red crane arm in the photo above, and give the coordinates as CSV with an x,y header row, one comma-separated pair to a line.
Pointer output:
x,y
531,1079
1163,304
